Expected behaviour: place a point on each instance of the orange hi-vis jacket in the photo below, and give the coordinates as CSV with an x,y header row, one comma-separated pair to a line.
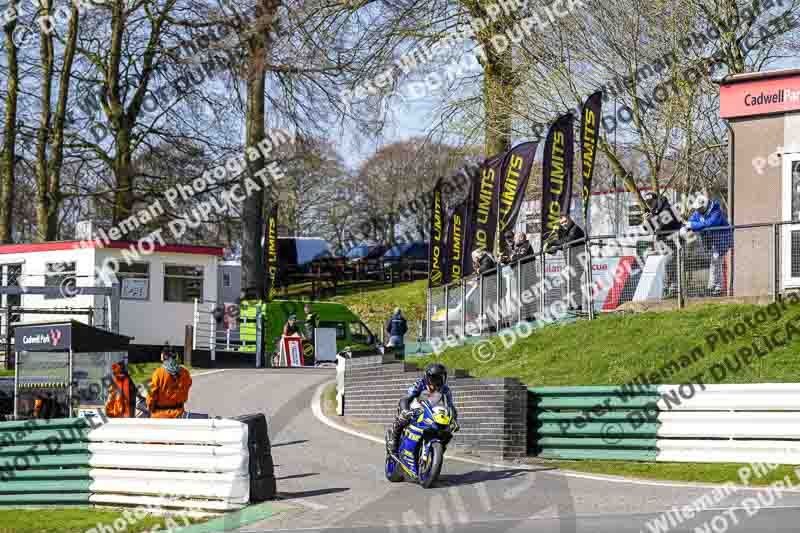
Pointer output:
x,y
168,394
120,398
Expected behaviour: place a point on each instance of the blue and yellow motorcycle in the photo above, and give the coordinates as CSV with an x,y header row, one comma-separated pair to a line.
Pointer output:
x,y
422,445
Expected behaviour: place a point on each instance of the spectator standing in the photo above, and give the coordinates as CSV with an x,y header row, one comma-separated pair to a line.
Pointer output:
x,y
312,322
292,328
665,223
396,328
169,389
570,238
715,236
121,401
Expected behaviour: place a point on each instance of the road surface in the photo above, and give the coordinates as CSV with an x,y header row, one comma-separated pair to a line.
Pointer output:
x,y
334,481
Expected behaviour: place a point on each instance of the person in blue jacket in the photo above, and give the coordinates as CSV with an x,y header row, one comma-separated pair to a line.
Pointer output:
x,y
434,379
396,328
715,235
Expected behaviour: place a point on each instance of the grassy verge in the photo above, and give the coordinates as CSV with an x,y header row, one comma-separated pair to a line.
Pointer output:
x,y
6,373
690,472
77,520
614,349
375,307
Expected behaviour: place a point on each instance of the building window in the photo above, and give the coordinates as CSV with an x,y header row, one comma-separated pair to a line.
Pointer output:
x,y
226,279
62,276
183,283
134,281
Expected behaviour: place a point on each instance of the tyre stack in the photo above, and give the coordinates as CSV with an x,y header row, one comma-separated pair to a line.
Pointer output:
x,y
262,469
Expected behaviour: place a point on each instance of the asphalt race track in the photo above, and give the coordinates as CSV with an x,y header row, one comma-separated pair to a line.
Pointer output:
x,y
333,482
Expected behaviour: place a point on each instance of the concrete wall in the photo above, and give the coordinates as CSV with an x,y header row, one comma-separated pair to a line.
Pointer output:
x,y
492,412
757,199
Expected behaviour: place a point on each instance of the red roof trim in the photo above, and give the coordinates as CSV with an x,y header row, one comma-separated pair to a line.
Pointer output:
x,y
72,245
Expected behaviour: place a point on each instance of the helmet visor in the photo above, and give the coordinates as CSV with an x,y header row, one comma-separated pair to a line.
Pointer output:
x,y
436,381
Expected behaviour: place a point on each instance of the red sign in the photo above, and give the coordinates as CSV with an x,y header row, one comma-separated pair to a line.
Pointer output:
x,y
292,351
759,97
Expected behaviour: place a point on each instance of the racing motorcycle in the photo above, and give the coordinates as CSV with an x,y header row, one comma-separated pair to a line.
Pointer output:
x,y
422,445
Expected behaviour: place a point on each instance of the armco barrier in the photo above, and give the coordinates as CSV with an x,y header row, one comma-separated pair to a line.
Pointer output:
x,y
667,423
44,462
199,464
592,423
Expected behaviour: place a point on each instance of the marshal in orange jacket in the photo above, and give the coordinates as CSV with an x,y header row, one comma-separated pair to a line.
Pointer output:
x,y
168,394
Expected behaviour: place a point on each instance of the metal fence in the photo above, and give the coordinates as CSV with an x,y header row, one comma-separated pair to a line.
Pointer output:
x,y
756,262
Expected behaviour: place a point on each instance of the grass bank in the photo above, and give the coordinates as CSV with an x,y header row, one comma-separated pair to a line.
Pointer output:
x,y
616,348
375,307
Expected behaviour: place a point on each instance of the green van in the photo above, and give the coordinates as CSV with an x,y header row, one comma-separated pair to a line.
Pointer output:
x,y
350,330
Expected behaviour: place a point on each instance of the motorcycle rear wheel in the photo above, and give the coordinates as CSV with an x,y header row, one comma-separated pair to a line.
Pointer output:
x,y
428,478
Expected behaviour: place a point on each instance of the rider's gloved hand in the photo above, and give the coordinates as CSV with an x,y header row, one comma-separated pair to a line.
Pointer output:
x,y
406,414
454,427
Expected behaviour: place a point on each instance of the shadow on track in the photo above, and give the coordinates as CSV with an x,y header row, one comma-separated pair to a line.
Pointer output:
x,y
309,493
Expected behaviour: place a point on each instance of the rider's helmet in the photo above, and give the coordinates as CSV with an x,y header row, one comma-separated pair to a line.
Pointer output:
x,y
435,375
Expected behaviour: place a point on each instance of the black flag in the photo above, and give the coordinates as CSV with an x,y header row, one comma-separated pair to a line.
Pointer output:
x,y
271,251
590,130
557,176
516,172
455,243
483,209
436,254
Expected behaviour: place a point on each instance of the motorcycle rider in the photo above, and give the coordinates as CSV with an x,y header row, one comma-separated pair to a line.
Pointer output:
x,y
434,379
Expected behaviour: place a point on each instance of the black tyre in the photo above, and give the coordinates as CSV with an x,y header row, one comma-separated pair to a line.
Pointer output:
x,y
434,468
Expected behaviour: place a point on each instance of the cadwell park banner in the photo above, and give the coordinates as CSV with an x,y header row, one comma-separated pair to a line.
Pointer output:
x,y
271,251
436,253
455,243
515,174
483,210
590,130
556,176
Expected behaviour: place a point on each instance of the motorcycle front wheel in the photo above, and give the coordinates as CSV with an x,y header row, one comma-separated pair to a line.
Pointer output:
x,y
429,472
393,471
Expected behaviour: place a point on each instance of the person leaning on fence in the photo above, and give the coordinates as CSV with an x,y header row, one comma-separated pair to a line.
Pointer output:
x,y
482,261
522,247
169,389
121,401
715,236
570,238
666,224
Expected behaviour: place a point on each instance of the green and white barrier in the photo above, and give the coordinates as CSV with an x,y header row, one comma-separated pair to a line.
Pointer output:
x,y
188,464
671,423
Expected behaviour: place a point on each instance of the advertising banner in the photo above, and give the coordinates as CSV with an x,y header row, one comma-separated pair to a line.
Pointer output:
x,y
455,243
436,254
515,174
590,130
556,176
483,209
271,251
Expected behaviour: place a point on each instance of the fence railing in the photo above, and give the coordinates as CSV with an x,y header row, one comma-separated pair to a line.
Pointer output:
x,y
612,273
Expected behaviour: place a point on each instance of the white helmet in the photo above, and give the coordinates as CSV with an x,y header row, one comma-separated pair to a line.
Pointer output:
x,y
701,202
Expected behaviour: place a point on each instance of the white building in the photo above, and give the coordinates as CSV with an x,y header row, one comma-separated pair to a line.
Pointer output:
x,y
157,289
